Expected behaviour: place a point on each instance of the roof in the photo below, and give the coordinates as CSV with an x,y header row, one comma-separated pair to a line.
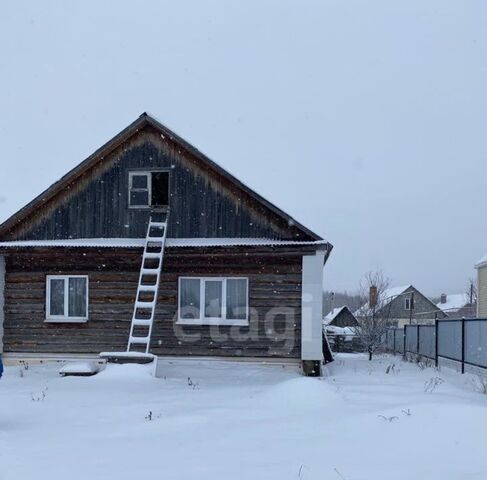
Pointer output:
x,y
482,262
330,316
454,302
170,242
98,156
386,297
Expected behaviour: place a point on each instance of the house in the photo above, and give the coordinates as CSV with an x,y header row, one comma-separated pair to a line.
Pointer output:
x,y
151,248
456,305
340,317
338,326
403,305
481,268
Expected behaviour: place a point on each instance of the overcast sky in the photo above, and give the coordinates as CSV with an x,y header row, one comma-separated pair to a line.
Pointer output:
x,y
364,119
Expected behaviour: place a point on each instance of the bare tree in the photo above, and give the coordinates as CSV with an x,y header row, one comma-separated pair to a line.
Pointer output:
x,y
374,315
472,291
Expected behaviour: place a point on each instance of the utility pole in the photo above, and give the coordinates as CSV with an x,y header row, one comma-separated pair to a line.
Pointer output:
x,y
411,307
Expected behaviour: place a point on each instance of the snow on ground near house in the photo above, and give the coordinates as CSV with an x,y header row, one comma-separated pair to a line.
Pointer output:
x,y
242,421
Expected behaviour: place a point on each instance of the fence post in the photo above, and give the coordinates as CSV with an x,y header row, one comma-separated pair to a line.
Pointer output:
x,y
417,341
436,343
463,345
394,343
404,342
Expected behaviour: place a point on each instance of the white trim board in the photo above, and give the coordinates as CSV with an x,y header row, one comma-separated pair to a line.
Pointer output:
x,y
312,307
2,299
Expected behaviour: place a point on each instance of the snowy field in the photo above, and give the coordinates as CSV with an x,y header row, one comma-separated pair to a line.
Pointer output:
x,y
239,421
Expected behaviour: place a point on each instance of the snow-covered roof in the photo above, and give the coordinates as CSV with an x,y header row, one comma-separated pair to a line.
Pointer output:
x,y
348,331
332,315
482,262
384,298
392,293
454,302
170,242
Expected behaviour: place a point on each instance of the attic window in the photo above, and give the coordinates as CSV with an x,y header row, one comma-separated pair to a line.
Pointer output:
x,y
148,189
408,303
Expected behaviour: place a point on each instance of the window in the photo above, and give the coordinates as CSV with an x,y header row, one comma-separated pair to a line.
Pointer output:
x,y
148,189
67,298
213,301
408,303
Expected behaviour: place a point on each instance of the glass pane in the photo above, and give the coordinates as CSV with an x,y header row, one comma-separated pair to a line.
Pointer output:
x,y
56,296
77,297
213,298
139,181
139,198
237,299
189,298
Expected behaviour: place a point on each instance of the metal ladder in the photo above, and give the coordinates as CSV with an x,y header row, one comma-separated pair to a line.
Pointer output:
x,y
150,273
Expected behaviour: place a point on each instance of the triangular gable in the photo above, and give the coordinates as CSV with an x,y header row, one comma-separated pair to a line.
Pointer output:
x,y
297,230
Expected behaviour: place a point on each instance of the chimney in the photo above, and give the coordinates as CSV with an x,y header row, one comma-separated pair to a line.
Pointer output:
x,y
443,298
372,296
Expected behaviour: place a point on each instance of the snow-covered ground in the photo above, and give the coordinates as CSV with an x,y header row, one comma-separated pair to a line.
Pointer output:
x,y
241,421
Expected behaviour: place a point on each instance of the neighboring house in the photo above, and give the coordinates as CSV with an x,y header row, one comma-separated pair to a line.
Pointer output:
x,y
456,305
339,327
481,267
340,317
403,305
224,273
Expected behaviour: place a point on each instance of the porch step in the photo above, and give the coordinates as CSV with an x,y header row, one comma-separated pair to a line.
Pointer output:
x,y
127,357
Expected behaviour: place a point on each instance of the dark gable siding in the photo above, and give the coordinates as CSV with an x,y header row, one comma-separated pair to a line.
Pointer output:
x,y
97,206
423,308
344,319
274,283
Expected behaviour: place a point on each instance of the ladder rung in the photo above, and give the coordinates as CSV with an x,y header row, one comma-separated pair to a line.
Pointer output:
x,y
144,340
149,271
141,322
147,288
152,255
158,224
155,239
154,245
139,304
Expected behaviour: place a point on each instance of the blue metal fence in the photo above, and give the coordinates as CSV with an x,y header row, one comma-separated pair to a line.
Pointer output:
x,y
461,340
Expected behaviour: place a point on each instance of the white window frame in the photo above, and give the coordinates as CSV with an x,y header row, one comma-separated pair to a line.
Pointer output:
x,y
64,318
202,320
140,173
407,303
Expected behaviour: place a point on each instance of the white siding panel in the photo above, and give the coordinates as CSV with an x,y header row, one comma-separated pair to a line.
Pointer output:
x,y
312,307
482,291
2,299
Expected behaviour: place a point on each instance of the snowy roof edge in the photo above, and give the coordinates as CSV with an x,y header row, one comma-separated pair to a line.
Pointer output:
x,y
170,242
482,262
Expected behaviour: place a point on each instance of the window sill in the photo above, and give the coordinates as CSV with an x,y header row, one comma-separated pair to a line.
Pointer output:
x,y
211,321
163,208
66,320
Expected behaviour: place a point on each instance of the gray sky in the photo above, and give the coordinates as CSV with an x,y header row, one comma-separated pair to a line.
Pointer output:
x,y
364,119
